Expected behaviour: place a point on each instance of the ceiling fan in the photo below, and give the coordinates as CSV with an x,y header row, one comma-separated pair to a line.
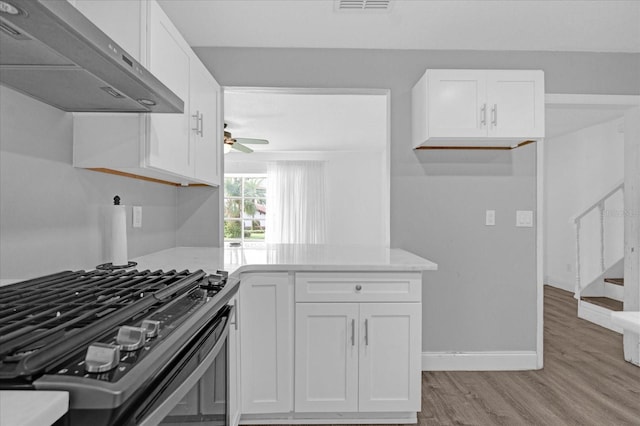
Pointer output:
x,y
239,143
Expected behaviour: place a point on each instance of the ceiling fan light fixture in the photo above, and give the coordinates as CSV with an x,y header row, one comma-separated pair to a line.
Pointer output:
x,y
227,148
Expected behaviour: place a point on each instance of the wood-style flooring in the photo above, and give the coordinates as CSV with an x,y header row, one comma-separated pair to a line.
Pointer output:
x,y
585,381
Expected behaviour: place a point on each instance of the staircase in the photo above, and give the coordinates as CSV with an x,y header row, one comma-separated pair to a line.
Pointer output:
x,y
600,256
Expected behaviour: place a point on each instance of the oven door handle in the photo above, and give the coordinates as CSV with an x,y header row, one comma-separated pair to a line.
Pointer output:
x,y
157,415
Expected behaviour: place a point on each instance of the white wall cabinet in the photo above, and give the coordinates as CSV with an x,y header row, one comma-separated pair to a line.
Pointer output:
x,y
206,123
266,343
477,108
169,147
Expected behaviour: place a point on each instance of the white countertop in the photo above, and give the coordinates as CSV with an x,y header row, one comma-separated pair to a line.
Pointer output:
x,y
628,320
285,257
277,257
32,408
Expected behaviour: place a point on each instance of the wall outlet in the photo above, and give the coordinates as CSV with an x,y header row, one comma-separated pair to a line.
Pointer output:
x,y
490,218
524,218
137,216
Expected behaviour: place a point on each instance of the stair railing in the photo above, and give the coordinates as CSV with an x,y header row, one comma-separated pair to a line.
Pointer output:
x,y
578,221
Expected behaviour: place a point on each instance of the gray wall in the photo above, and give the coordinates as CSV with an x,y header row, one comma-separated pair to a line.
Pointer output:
x,y
483,297
54,216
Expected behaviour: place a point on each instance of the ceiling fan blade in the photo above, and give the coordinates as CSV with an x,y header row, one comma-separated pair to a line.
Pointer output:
x,y
241,147
252,141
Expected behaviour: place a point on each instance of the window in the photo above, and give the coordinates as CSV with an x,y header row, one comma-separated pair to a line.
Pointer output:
x,y
245,209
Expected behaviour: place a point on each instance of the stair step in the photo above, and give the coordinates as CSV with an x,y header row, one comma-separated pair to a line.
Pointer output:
x,y
605,302
616,281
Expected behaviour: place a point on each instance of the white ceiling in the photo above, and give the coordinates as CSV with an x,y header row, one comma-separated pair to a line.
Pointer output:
x,y
308,121
550,25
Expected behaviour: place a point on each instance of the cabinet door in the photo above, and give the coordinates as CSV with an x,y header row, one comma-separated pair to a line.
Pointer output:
x,y
390,347
205,134
456,103
326,357
234,365
515,102
266,341
168,134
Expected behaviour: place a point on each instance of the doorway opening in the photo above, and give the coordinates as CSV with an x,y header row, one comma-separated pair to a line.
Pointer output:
x,y
345,131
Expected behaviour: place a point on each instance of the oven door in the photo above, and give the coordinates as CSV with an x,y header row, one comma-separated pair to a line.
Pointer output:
x,y
195,388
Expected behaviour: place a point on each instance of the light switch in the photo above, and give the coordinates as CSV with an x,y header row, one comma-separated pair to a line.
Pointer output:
x,y
137,216
490,218
524,218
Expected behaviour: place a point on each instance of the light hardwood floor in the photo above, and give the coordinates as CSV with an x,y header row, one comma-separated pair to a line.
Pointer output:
x,y
585,381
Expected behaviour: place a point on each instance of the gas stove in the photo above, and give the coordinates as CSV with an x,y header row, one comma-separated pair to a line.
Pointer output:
x,y
107,337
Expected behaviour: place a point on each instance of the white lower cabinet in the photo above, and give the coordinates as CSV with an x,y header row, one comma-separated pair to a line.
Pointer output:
x,y
327,347
266,342
361,357
390,370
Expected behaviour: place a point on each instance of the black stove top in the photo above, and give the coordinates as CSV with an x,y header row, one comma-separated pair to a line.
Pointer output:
x,y
47,323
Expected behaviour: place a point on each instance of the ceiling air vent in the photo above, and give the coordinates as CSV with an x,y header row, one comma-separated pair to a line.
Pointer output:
x,y
363,5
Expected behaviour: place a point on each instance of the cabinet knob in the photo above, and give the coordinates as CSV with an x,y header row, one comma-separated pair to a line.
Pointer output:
x,y
358,287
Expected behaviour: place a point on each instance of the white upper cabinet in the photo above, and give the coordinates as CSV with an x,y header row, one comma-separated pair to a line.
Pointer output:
x,y
175,148
206,123
168,59
477,108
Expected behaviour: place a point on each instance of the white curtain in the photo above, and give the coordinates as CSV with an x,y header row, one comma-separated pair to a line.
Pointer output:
x,y
296,202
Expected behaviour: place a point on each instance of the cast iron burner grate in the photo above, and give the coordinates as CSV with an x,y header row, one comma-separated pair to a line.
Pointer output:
x,y
47,318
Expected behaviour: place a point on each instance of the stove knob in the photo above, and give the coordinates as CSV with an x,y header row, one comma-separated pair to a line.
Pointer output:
x,y
151,327
130,338
101,357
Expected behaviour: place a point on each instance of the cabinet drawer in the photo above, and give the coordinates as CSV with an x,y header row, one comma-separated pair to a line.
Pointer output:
x,y
358,287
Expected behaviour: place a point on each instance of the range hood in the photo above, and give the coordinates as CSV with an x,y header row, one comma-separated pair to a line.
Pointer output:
x,y
52,52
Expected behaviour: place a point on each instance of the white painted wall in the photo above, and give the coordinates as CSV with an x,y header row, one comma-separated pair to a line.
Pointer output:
x,y
355,190
580,167
55,217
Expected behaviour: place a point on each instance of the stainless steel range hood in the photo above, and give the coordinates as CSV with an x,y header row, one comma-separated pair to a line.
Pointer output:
x,y
52,52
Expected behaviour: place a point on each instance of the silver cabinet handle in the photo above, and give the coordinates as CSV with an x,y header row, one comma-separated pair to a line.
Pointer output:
x,y
366,332
483,112
201,122
198,117
353,332
234,309
494,115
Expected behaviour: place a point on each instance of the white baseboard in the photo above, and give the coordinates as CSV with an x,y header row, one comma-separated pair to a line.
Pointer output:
x,y
329,418
562,285
479,361
597,315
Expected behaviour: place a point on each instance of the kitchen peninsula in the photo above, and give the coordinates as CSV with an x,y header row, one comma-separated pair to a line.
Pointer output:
x,y
320,333
325,332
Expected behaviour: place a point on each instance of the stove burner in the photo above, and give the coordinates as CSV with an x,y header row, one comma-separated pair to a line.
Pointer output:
x,y
111,267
